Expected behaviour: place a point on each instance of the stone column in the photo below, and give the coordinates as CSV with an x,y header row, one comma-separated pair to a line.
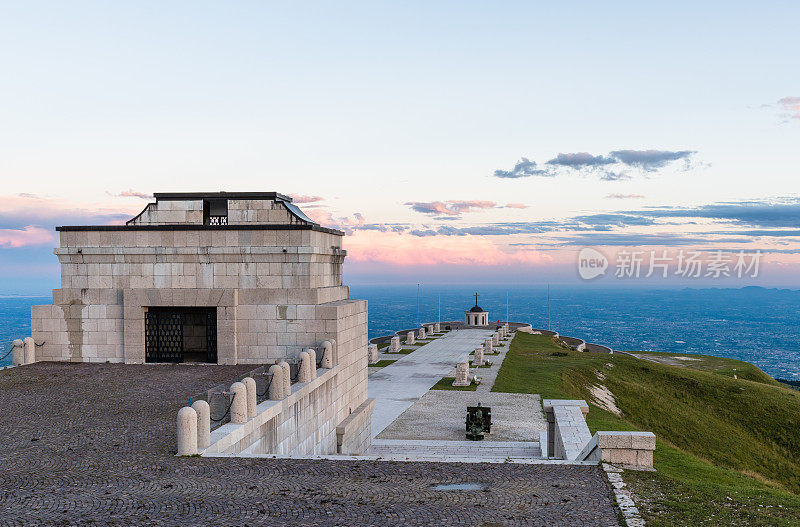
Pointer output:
x,y
276,386
304,374
462,374
394,345
18,353
312,363
409,338
30,350
203,423
252,396
478,360
327,355
187,431
372,353
287,378
239,404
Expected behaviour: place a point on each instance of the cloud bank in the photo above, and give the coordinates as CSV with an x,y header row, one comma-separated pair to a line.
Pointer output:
x,y
609,167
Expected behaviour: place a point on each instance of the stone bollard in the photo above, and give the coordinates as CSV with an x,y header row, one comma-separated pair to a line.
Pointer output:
x,y
252,396
312,363
305,368
495,339
422,334
30,350
287,378
430,329
478,360
187,431
409,338
18,353
394,345
372,353
436,328
276,385
239,403
203,423
462,374
327,355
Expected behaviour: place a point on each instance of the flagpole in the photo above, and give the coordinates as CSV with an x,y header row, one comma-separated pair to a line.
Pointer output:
x,y
417,305
548,307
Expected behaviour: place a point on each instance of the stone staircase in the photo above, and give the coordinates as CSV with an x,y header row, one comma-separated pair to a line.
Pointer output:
x,y
455,451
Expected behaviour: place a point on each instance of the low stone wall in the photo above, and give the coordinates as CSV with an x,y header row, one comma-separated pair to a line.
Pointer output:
x,y
354,434
598,348
567,433
574,343
303,423
630,449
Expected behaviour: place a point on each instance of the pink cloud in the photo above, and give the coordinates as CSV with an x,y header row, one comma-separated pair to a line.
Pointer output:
x,y
625,196
130,193
30,235
516,206
402,249
299,198
450,207
17,212
790,106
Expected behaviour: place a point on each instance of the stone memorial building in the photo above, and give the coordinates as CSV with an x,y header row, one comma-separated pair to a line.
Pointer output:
x,y
476,316
224,278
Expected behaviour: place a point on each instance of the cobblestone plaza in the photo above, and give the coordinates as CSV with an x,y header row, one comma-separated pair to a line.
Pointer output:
x,y
73,457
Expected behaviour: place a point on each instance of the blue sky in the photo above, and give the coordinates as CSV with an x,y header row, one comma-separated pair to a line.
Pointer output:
x,y
385,110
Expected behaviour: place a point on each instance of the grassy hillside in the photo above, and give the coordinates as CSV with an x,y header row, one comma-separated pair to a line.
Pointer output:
x,y
728,448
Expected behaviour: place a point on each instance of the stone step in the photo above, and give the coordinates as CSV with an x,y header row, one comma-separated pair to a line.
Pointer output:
x,y
426,449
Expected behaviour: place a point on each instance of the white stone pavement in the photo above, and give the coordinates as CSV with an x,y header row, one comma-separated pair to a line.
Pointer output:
x,y
397,386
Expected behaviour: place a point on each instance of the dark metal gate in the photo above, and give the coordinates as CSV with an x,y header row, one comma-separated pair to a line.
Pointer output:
x,y
164,333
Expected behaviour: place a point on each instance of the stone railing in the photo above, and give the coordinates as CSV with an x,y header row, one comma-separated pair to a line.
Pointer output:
x,y
574,343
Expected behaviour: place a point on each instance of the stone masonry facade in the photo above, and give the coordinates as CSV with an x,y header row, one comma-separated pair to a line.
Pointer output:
x,y
270,277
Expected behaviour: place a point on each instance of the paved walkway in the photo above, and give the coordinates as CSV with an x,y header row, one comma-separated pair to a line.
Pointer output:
x,y
397,386
94,444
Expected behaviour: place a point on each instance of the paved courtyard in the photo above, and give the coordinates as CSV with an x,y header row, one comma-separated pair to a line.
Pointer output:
x,y
397,386
93,444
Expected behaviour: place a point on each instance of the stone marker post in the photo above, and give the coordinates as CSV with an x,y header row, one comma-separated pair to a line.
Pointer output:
x,y
238,405
495,339
436,328
276,385
462,373
252,396
305,367
203,423
187,431
372,353
287,378
422,333
394,345
409,338
478,359
312,363
30,350
487,346
18,353
327,354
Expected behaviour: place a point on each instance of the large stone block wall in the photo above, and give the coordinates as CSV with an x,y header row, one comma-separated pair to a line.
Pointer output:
x,y
266,295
